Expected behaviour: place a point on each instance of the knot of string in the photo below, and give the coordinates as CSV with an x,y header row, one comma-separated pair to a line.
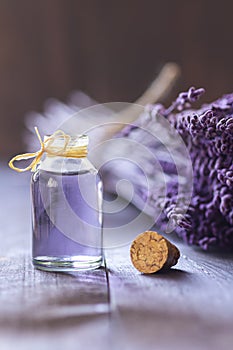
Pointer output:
x,y
46,146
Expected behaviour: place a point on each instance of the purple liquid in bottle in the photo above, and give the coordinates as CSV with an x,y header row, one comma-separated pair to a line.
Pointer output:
x,y
67,220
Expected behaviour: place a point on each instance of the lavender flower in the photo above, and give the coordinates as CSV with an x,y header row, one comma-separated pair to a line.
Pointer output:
x,y
208,135
184,100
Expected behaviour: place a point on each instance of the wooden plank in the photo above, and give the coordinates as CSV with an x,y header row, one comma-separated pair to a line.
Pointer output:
x,y
189,307
39,309
85,334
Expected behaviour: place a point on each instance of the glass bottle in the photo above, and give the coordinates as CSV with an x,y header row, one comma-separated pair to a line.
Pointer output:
x,y
66,209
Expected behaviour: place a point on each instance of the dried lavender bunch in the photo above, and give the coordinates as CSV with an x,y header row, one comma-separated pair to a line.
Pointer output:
x,y
208,135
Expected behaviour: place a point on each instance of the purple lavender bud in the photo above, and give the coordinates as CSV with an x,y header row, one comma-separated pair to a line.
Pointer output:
x,y
208,136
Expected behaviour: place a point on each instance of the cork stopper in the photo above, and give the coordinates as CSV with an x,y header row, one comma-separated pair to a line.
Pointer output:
x,y
151,252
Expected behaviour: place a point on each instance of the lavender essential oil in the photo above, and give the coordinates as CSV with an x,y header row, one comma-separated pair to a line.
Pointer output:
x,y
66,209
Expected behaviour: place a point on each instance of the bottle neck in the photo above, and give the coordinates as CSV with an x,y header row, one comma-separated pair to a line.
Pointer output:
x,y
65,165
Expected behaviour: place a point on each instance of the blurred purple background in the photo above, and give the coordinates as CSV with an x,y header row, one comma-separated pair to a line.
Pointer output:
x,y
111,50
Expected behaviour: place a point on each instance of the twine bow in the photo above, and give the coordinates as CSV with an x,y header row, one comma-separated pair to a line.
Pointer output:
x,y
45,146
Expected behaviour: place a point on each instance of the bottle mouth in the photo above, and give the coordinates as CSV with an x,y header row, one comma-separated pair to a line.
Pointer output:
x,y
66,145
73,141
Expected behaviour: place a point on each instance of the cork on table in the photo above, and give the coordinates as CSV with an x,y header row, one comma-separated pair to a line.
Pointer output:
x,y
188,307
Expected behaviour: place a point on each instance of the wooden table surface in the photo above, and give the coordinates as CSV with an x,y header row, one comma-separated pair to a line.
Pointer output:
x,y
114,307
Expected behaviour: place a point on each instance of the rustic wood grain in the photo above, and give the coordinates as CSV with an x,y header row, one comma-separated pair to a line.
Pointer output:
x,y
189,307
42,310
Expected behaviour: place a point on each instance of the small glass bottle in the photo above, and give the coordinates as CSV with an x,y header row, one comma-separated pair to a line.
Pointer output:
x,y
67,209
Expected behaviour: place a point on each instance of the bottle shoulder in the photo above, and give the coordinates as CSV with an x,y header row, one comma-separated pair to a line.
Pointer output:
x,y
63,177
61,165
64,167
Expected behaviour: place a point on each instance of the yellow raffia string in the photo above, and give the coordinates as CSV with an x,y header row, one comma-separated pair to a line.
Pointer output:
x,y
73,152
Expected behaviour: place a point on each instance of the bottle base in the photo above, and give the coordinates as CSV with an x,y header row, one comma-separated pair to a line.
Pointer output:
x,y
67,264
